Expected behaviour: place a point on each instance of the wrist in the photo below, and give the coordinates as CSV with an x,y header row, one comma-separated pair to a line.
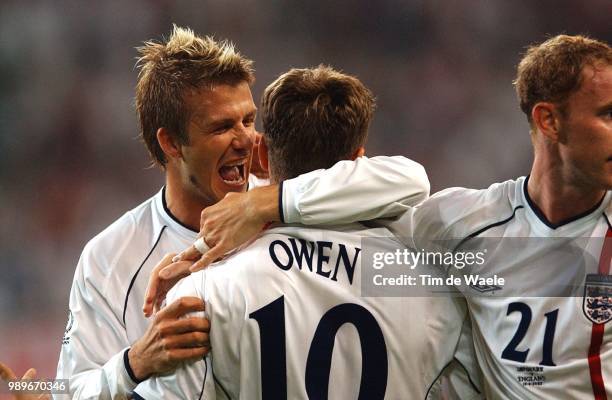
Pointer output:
x,y
264,204
134,368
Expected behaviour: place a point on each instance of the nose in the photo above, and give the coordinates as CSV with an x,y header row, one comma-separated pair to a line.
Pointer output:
x,y
243,138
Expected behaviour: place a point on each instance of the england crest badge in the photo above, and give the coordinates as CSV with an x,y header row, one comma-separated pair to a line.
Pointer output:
x,y
597,301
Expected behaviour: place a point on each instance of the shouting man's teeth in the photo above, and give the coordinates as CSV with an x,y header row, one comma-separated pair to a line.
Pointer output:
x,y
232,174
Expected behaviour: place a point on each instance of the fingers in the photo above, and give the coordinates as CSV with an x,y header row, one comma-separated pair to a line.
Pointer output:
x,y
181,306
210,257
154,281
191,325
6,373
191,253
167,278
29,375
176,270
201,245
159,301
150,296
189,354
186,325
186,341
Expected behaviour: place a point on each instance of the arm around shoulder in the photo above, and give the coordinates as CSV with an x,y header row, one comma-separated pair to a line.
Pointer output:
x,y
350,191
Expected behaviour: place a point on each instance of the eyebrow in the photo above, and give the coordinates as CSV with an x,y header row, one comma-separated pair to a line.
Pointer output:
x,y
228,121
605,107
224,121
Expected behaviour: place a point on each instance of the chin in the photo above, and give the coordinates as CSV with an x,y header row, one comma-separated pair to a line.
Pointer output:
x,y
223,189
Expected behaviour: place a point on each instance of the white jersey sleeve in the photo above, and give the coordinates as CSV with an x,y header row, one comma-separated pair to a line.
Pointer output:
x,y
447,215
350,191
88,358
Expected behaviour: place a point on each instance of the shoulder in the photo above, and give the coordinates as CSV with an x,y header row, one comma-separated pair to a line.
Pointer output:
x,y
121,242
457,212
608,212
250,263
234,267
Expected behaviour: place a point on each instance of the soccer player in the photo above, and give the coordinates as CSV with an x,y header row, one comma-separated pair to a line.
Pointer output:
x,y
530,346
197,120
287,316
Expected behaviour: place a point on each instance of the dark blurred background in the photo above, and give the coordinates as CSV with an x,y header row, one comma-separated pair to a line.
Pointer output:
x,y
71,162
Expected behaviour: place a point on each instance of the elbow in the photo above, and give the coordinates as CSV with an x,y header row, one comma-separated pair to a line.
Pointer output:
x,y
419,184
425,186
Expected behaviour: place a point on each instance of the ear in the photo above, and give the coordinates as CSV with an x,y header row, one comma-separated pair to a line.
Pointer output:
x,y
168,144
263,154
358,153
546,119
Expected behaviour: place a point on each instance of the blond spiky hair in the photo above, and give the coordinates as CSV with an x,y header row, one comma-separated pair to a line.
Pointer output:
x,y
167,69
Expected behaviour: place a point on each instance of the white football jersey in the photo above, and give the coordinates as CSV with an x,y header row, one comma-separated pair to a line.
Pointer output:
x,y
288,322
544,332
111,278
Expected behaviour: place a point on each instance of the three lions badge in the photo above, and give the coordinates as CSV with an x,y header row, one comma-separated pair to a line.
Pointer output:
x,y
597,301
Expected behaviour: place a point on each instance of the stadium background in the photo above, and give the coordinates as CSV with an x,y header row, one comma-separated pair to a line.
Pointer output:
x,y
71,162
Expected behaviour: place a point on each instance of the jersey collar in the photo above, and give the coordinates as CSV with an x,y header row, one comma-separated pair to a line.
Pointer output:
x,y
568,226
169,219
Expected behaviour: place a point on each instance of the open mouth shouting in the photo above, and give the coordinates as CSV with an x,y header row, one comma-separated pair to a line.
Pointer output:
x,y
233,173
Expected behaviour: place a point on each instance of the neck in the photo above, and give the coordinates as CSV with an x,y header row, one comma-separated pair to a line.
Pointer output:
x,y
184,206
556,192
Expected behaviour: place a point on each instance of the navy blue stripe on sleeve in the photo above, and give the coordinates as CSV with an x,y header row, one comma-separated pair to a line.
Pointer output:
x,y
280,202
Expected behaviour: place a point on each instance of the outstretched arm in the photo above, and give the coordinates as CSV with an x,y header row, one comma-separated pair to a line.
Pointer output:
x,y
350,191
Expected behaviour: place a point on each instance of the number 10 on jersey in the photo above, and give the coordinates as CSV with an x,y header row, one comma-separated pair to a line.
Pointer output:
x,y
374,369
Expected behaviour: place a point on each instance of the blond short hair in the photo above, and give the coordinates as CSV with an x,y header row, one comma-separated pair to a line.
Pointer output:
x,y
552,71
168,69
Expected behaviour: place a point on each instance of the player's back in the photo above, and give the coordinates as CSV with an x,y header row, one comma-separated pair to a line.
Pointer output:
x,y
288,321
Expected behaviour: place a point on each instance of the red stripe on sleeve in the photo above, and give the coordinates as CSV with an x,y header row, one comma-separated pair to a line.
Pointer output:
x,y
599,389
597,333
606,254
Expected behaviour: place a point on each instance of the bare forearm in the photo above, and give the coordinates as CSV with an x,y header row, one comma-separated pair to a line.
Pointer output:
x,y
262,204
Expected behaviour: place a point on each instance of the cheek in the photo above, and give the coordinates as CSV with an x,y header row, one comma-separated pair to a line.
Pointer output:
x,y
197,166
588,140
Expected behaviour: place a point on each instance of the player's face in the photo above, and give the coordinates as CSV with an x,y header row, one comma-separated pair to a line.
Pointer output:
x,y
587,129
221,132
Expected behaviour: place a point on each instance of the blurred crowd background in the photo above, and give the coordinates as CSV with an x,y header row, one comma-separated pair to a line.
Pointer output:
x,y
71,161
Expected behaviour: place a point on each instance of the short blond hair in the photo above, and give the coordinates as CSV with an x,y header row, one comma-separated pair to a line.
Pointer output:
x,y
168,69
552,71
